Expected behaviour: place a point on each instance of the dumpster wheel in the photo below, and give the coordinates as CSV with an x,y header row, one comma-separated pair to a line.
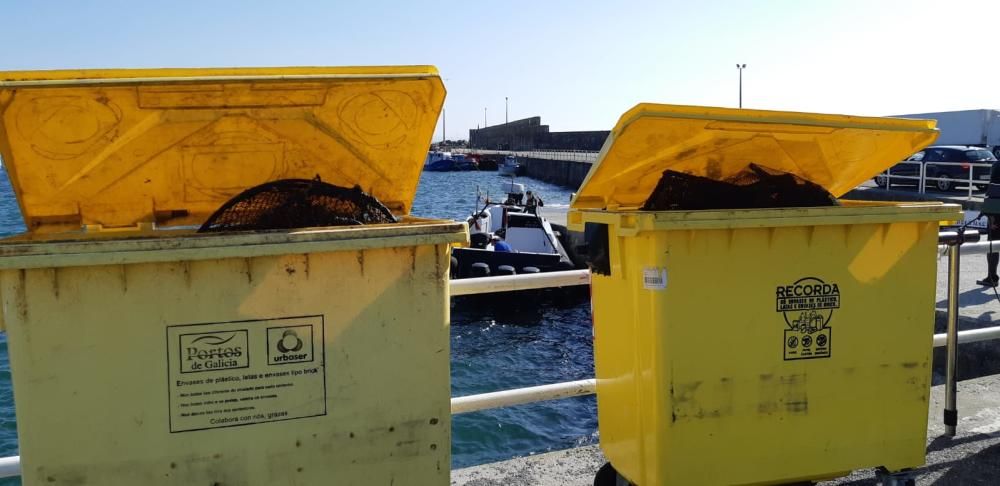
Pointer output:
x,y
607,475
905,477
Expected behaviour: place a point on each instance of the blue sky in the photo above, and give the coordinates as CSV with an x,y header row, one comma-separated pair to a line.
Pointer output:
x,y
578,65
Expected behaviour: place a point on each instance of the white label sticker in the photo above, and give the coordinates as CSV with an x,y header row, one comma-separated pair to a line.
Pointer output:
x,y
247,372
654,278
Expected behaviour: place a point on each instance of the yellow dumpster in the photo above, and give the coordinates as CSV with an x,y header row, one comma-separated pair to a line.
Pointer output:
x,y
146,353
759,346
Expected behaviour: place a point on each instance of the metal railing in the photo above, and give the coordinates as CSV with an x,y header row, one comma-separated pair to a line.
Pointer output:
x,y
510,283
922,177
563,155
520,396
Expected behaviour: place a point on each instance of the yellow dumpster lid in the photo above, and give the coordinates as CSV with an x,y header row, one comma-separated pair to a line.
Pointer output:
x,y
835,151
118,148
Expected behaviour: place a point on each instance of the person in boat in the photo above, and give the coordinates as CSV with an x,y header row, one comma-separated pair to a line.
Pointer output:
x,y
533,202
513,200
500,245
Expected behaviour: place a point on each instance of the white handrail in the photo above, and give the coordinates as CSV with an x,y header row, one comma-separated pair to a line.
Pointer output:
x,y
519,396
527,281
922,176
978,248
568,155
970,336
10,466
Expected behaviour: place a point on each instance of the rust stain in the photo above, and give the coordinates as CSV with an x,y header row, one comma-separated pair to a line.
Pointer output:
x,y
686,153
361,262
248,269
700,400
124,278
797,406
787,394
21,295
54,273
910,365
437,262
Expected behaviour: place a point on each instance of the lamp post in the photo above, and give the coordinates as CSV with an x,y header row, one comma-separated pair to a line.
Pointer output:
x,y
506,119
484,118
741,67
444,121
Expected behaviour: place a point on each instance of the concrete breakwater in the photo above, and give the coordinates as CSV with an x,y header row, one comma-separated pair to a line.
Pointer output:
x,y
566,173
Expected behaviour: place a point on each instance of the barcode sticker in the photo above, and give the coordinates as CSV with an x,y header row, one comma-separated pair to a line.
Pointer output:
x,y
654,278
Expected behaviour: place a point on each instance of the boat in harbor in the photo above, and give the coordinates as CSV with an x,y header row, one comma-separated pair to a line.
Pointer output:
x,y
509,166
535,244
449,162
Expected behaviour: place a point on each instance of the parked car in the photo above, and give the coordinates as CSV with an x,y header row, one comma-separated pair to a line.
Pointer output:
x,y
945,167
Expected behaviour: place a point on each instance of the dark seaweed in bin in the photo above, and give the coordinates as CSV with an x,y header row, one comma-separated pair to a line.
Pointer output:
x,y
297,203
755,187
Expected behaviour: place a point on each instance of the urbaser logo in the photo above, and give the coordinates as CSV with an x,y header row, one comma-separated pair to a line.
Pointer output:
x,y
289,344
213,351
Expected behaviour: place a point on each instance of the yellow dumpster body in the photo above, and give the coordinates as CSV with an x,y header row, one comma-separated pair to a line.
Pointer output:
x,y
760,346
143,352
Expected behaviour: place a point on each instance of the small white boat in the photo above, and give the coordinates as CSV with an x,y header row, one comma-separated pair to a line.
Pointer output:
x,y
537,245
509,166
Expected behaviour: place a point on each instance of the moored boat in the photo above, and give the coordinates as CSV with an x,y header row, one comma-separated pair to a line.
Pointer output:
x,y
509,166
509,238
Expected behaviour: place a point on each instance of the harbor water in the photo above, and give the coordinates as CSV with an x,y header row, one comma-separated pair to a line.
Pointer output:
x,y
492,348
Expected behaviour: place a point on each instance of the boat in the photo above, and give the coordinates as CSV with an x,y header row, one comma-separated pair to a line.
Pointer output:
x,y
538,246
509,166
448,162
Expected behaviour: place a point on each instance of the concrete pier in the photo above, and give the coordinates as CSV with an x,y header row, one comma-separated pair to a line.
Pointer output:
x,y
566,173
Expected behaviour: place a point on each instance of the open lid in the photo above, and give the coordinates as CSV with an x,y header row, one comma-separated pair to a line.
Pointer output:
x,y
835,151
118,148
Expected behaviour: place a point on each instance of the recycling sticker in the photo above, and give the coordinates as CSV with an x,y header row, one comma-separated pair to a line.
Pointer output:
x,y
807,307
227,374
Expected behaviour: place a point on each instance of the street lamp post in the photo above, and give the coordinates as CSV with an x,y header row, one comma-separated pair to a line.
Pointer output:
x,y
741,67
506,119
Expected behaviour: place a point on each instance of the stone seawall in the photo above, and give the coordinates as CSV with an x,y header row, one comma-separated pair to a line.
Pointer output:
x,y
562,172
